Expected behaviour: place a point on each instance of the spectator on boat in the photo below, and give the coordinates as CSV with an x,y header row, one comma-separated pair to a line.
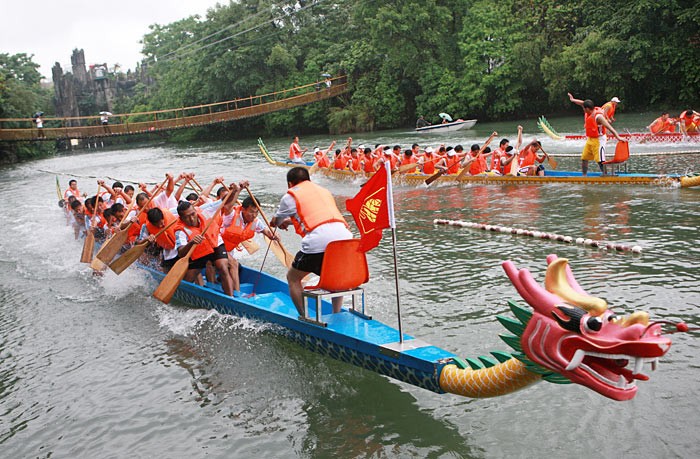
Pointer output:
x,y
295,152
595,124
689,122
208,247
316,218
421,122
663,124
609,109
72,190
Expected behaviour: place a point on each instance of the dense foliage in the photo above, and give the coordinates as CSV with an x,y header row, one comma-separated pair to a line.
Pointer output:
x,y
471,58
21,95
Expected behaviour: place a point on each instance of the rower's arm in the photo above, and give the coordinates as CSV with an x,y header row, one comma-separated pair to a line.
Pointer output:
x,y
574,100
604,121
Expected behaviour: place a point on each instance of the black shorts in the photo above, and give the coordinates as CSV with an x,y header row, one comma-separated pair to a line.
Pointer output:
x,y
308,262
217,254
167,264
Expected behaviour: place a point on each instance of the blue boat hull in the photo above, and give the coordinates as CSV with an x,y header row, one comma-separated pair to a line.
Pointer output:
x,y
348,337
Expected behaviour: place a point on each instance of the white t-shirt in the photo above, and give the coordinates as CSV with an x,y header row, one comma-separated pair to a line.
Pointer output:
x,y
208,210
317,240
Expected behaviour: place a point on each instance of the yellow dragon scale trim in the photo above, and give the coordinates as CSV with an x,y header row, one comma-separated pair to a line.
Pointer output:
x,y
500,379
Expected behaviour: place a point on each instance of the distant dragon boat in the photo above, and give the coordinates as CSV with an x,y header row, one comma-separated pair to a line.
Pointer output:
x,y
638,137
551,176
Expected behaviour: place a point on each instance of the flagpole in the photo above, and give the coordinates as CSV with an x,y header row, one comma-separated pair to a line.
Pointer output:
x,y
392,224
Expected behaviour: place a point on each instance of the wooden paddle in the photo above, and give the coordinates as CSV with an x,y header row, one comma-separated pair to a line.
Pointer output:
x,y
552,162
111,248
407,167
89,244
134,253
514,165
165,291
464,170
277,248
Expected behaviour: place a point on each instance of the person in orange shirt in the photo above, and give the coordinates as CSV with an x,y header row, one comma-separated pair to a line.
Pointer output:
x,y
295,152
428,161
528,156
609,109
312,210
662,124
689,122
595,124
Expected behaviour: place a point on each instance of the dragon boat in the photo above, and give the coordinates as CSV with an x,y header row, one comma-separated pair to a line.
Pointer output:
x,y
551,176
639,137
569,336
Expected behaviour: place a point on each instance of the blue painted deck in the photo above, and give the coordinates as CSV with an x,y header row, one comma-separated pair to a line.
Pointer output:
x,y
348,337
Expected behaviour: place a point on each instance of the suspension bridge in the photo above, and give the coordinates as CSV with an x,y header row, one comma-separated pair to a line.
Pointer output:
x,y
91,127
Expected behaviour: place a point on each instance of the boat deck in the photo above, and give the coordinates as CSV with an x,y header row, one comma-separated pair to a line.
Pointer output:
x,y
348,336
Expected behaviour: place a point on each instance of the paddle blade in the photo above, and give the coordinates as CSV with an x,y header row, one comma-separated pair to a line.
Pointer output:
x,y
88,247
552,162
434,177
171,281
97,265
130,256
280,252
313,169
111,248
250,246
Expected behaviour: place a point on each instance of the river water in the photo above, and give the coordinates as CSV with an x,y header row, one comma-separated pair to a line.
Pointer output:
x,y
95,367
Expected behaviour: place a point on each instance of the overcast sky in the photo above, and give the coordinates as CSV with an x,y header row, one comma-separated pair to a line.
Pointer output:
x,y
108,31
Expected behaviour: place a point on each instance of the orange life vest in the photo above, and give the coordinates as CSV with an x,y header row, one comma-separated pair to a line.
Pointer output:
x,y
452,167
211,237
429,164
70,192
315,207
478,166
167,239
611,109
324,162
135,228
593,130
294,152
235,234
368,163
341,162
660,126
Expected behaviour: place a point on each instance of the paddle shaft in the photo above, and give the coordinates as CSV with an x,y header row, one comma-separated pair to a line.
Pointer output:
x,y
480,152
89,244
134,253
257,204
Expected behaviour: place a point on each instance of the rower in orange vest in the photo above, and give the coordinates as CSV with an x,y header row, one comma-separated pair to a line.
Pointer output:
x,y
609,109
662,124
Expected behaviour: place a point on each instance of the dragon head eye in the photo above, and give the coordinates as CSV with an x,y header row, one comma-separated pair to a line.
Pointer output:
x,y
593,324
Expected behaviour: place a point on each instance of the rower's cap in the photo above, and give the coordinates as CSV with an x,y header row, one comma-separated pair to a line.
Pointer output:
x,y
316,150
451,153
615,99
509,150
429,150
361,147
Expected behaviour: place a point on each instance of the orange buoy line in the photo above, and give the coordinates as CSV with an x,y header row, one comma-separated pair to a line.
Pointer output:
x,y
605,245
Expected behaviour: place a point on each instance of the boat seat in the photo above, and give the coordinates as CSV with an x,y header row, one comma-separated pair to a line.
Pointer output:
x,y
622,154
343,271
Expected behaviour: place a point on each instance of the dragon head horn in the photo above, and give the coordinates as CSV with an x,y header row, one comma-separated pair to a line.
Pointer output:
x,y
557,281
529,290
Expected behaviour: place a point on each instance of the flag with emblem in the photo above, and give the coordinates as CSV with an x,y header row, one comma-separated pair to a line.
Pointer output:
x,y
372,209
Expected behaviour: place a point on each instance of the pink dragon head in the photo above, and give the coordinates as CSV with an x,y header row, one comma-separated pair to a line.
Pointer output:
x,y
575,334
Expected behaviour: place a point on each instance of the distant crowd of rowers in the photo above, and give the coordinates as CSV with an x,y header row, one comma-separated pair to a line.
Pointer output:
x,y
504,160
688,122
172,224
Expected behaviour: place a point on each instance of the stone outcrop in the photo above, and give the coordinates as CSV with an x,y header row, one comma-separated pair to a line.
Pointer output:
x,y
86,91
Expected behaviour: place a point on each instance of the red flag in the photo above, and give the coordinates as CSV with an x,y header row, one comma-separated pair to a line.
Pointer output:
x,y
370,209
